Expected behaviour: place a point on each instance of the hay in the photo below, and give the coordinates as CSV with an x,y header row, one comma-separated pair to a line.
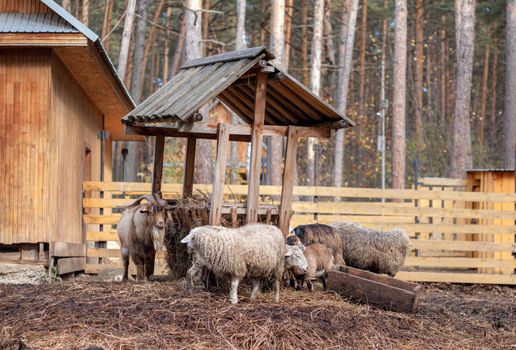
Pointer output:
x,y
81,314
188,213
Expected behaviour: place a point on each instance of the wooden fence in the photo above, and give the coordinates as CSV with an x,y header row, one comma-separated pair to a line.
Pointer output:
x,y
456,236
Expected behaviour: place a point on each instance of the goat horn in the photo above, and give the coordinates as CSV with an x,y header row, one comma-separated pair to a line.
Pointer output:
x,y
136,202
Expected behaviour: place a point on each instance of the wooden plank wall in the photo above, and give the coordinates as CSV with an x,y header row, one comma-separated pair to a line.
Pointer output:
x,y
443,247
75,123
24,158
23,6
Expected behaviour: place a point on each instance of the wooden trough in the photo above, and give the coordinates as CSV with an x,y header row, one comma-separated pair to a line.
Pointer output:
x,y
374,289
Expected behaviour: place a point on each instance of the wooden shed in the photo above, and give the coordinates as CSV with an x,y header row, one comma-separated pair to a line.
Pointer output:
x,y
268,100
60,107
494,181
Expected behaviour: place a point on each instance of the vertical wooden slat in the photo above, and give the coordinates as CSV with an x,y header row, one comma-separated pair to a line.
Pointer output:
x,y
217,196
256,149
189,167
288,180
157,172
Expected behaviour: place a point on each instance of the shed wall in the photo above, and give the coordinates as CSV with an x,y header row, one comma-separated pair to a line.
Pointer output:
x,y
23,6
24,158
75,124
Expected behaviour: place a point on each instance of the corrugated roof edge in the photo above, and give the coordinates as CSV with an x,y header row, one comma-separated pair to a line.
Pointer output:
x,y
490,169
94,38
252,52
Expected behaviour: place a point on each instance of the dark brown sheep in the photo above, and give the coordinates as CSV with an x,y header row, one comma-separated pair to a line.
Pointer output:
x,y
318,233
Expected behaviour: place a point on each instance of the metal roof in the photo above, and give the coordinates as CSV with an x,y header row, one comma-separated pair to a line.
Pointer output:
x,y
34,23
491,170
232,78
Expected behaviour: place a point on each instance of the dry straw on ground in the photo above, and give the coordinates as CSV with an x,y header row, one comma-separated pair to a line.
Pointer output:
x,y
158,315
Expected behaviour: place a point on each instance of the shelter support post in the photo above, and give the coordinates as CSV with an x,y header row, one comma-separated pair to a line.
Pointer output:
x,y
157,172
188,179
256,149
288,180
217,196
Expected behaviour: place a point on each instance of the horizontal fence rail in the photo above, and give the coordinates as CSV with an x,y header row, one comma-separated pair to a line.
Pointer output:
x,y
455,235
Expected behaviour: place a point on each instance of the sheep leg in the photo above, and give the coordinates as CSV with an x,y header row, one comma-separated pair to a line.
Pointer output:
x,y
233,292
324,279
256,288
310,285
277,288
192,271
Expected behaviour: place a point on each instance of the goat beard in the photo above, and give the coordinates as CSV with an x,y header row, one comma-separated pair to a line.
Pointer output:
x,y
157,237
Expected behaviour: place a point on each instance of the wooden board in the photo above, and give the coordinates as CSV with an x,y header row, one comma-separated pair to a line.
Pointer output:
x,y
320,191
456,277
64,249
68,265
373,289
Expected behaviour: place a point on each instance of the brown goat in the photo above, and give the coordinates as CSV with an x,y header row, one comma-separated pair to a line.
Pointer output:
x,y
141,230
320,261
323,234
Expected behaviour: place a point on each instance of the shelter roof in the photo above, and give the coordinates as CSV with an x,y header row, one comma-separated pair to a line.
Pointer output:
x,y
232,78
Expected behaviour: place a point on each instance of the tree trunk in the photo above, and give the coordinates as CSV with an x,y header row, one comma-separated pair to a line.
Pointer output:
x,y
399,95
328,32
150,41
106,24
443,68
239,45
304,41
194,50
67,5
180,48
510,87
126,38
166,57
483,99
461,148
315,81
288,31
86,12
139,50
492,113
278,48
420,13
362,69
205,25
346,40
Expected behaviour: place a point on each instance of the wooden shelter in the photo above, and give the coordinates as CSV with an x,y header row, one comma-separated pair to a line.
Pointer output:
x,y
60,107
267,99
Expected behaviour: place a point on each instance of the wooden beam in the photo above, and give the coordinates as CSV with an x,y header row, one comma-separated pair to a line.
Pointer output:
x,y
256,149
43,39
240,133
188,179
287,188
65,249
217,196
157,172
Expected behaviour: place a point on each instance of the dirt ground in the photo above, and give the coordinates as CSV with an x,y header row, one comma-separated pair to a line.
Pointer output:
x,y
87,314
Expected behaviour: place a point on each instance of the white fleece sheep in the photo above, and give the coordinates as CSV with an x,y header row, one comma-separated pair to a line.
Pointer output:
x,y
372,250
256,251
